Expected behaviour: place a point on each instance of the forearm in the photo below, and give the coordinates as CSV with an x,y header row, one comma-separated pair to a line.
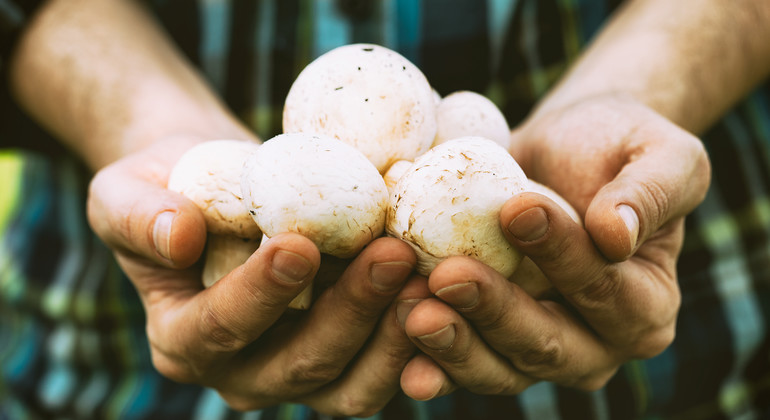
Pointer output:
x,y
690,60
105,79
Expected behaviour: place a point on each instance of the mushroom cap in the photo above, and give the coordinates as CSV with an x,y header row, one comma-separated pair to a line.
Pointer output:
x,y
448,203
466,113
436,97
316,186
367,96
209,174
393,173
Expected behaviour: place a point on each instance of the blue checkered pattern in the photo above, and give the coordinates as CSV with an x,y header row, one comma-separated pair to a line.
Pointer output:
x,y
72,340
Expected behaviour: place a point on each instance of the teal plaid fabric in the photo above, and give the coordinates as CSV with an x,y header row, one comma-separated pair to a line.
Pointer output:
x,y
72,341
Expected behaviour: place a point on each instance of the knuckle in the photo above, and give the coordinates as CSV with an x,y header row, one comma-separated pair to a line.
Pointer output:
x,y
218,334
395,355
271,296
601,291
354,405
310,371
595,381
507,385
492,319
360,312
115,229
656,200
702,167
652,343
458,356
241,403
545,354
173,368
655,331
700,171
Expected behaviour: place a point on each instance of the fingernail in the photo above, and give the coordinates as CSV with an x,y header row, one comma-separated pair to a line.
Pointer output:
x,y
462,296
631,220
161,233
439,340
529,225
389,276
290,267
403,308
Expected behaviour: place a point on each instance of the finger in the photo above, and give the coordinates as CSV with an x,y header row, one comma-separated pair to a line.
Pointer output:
x,y
167,229
373,378
195,336
631,305
423,379
446,337
338,324
666,177
540,339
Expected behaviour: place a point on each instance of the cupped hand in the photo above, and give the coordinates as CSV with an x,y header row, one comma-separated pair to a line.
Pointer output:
x,y
343,357
633,176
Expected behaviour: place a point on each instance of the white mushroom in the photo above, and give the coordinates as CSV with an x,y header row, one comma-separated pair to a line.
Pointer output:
x,y
465,113
319,187
436,97
209,174
528,275
448,203
393,174
367,96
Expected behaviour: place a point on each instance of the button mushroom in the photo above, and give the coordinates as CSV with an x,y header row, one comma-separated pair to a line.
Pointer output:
x,y
465,113
319,187
367,96
448,203
209,174
393,173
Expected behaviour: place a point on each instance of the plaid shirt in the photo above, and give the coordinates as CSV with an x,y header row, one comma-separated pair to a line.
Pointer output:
x,y
72,338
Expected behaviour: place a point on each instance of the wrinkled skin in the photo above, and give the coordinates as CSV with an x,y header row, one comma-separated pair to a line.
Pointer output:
x,y
619,296
342,357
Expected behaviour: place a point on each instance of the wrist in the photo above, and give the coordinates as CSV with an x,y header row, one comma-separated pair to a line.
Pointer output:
x,y
168,131
688,62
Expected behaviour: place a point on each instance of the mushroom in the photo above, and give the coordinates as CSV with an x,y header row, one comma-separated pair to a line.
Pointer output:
x,y
209,174
367,96
393,173
319,187
436,97
528,275
465,113
448,203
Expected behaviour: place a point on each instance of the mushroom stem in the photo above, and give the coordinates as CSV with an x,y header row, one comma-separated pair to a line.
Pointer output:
x,y
304,299
223,254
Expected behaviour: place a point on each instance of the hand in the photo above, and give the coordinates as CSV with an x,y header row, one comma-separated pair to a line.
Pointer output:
x,y
343,357
633,176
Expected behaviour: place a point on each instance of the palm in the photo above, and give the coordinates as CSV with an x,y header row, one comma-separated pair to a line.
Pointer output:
x,y
632,176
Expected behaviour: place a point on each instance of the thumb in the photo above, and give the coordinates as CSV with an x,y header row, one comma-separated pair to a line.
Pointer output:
x,y
663,184
138,215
